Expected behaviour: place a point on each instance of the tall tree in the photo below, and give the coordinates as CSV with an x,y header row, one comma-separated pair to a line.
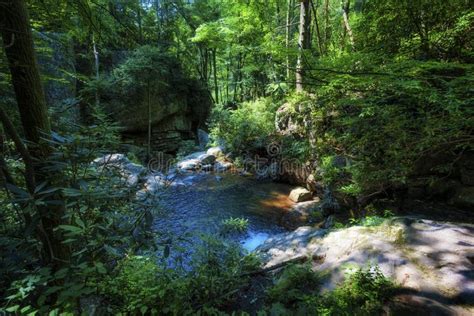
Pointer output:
x,y
289,21
304,42
18,44
345,4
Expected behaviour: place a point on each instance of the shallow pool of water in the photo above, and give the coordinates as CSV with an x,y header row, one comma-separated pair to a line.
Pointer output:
x,y
196,204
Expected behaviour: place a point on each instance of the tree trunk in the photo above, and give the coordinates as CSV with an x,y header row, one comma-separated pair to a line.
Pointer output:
x,y
289,18
345,15
18,44
327,28
214,66
96,64
148,153
318,32
139,21
303,42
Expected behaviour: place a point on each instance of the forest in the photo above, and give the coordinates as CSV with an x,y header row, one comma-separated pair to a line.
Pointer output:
x,y
237,157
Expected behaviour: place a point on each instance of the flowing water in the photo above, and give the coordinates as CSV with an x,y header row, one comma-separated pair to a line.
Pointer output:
x,y
196,204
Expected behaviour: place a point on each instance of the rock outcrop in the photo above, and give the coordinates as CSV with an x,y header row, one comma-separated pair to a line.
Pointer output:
x,y
300,195
130,172
435,258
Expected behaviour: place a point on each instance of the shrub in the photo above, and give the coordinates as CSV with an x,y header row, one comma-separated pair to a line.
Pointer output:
x,y
246,128
364,293
234,225
138,285
297,292
385,125
211,282
294,283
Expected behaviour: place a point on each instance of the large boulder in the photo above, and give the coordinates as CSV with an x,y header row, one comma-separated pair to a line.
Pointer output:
x,y
222,166
207,159
203,138
189,165
215,151
300,195
286,120
420,255
178,106
130,172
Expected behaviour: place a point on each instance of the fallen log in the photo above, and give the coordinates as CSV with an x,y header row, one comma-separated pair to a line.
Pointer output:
x,y
297,259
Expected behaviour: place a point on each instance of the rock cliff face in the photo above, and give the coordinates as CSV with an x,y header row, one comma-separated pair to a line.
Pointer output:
x,y
174,118
179,106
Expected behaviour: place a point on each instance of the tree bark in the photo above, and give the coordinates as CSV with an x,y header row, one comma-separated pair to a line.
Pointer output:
x,y
18,44
289,17
318,32
304,42
96,64
214,66
148,152
345,15
327,28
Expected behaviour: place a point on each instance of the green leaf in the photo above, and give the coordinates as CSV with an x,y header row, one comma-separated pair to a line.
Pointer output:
x,y
70,228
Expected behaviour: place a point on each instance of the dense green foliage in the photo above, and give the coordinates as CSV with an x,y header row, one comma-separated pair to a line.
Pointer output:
x,y
387,101
244,129
364,292
139,285
386,125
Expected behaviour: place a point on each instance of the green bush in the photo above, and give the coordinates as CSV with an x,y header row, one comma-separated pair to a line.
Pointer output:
x,y
293,285
297,292
139,285
384,124
212,281
364,293
246,128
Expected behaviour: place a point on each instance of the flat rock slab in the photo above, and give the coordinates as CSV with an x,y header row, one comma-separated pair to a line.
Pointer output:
x,y
422,255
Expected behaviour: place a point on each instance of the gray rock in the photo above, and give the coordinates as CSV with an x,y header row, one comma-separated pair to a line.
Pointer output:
x,y
203,138
215,151
313,185
422,255
194,155
245,173
208,167
190,165
286,121
111,159
300,195
329,222
285,246
222,166
301,213
130,172
207,159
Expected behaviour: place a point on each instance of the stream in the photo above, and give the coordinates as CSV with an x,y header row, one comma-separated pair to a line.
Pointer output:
x,y
197,203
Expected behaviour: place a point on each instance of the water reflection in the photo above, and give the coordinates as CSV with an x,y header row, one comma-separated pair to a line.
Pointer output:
x,y
201,202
